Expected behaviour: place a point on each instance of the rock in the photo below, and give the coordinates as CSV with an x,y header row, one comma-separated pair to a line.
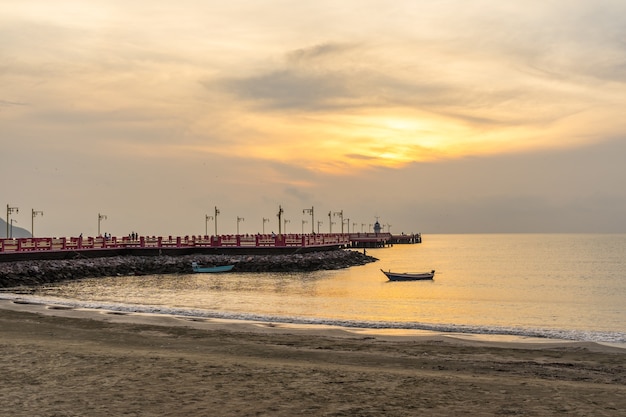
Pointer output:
x,y
37,272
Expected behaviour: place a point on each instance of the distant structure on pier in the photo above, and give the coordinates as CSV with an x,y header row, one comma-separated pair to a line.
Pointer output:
x,y
380,239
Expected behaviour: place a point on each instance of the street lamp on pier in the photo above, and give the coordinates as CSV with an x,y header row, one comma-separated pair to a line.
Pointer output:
x,y
239,219
215,219
206,224
35,213
100,218
362,226
310,211
279,215
319,223
265,221
330,222
12,221
348,223
9,211
340,214
303,223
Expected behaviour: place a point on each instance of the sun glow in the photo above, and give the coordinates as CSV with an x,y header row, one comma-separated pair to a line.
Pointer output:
x,y
338,144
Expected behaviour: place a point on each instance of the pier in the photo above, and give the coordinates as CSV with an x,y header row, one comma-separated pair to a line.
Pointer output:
x,y
381,240
68,247
369,240
404,239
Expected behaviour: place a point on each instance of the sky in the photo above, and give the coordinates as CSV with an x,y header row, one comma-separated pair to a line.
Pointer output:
x,y
448,116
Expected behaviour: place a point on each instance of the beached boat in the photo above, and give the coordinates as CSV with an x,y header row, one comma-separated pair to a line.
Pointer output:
x,y
408,276
210,269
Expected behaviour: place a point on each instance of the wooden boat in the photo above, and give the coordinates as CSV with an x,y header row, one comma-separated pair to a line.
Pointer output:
x,y
409,276
210,269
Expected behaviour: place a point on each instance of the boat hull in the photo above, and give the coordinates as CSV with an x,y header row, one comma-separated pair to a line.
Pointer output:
x,y
405,276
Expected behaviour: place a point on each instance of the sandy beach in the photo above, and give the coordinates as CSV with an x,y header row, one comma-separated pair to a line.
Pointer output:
x,y
68,362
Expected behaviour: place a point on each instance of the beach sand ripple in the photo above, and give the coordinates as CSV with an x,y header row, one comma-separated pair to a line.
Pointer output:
x,y
59,365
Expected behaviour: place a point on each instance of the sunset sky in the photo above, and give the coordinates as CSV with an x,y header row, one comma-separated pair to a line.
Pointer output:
x,y
449,116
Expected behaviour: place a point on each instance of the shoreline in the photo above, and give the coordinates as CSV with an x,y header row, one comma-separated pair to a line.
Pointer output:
x,y
25,300
257,326
79,362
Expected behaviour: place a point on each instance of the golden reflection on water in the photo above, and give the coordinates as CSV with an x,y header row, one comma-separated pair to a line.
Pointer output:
x,y
559,281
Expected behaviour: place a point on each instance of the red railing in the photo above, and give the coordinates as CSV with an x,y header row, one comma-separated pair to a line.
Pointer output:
x,y
234,241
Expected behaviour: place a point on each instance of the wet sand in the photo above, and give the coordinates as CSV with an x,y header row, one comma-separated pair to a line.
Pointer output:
x,y
66,362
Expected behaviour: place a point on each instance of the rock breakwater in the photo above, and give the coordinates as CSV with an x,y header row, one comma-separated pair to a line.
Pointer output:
x,y
38,272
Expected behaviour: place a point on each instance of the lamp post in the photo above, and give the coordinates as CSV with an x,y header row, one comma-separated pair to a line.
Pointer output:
x,y
330,222
348,223
206,224
319,223
265,221
353,227
239,219
303,223
32,224
362,226
9,211
12,221
286,221
310,211
340,215
279,215
215,218
100,218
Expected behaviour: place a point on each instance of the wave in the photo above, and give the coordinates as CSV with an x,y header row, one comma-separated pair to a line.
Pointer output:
x,y
547,333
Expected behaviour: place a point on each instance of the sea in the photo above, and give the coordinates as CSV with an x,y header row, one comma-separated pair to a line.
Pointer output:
x,y
556,286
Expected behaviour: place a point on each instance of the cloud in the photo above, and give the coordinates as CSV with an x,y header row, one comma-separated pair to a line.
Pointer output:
x,y
359,156
314,54
331,76
313,78
575,190
236,103
7,103
514,87
299,194
291,90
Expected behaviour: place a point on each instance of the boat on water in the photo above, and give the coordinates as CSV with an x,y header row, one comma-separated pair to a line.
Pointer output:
x,y
210,269
409,276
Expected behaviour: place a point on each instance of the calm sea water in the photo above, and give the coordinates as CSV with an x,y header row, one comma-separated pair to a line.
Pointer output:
x,y
564,286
